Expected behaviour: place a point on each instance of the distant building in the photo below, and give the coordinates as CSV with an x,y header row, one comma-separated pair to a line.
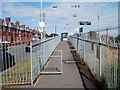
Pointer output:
x,y
105,36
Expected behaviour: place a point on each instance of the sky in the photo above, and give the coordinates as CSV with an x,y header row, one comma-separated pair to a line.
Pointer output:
x,y
62,17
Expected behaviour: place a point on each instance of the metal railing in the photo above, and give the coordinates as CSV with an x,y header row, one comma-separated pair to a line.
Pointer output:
x,y
14,64
20,63
44,48
101,56
53,65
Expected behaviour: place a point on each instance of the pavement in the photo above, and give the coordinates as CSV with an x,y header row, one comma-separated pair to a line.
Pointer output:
x,y
70,77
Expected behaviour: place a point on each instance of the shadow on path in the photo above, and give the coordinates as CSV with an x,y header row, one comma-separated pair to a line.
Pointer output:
x,y
89,82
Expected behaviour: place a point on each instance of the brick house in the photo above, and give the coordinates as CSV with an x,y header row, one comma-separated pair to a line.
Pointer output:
x,y
14,32
6,31
1,21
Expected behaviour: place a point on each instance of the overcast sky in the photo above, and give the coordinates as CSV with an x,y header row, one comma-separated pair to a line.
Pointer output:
x,y
28,13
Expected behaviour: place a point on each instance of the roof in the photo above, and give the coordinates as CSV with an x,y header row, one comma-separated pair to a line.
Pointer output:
x,y
13,25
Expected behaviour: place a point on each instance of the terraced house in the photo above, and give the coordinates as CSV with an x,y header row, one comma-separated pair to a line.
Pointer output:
x,y
15,33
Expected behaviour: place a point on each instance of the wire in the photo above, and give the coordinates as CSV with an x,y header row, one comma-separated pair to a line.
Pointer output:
x,y
11,16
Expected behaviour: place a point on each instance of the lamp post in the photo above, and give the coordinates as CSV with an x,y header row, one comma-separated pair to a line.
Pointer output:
x,y
54,7
76,6
42,22
75,15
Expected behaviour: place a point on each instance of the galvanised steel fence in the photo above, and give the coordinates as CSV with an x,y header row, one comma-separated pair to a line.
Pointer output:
x,y
14,64
20,63
99,50
44,49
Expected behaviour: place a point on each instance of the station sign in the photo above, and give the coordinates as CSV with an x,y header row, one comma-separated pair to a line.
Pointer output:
x,y
85,23
81,29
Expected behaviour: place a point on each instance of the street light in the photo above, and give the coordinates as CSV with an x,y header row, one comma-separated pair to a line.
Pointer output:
x,y
54,7
75,6
42,21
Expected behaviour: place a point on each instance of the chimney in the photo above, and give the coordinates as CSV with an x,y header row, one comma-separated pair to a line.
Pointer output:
x,y
17,23
8,19
27,27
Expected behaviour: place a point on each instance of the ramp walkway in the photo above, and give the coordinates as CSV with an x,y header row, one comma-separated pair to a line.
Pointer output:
x,y
70,77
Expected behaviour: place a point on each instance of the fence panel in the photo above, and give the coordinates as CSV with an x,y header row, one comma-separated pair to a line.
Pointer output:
x,y
20,62
40,49
15,64
101,56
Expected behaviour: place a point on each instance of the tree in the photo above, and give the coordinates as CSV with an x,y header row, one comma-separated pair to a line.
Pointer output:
x,y
46,35
53,34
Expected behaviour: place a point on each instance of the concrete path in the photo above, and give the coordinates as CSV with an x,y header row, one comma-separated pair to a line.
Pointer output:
x,y
70,78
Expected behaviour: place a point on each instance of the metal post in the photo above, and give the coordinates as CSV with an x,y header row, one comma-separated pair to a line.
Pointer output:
x,y
55,29
55,25
118,70
31,63
41,18
77,41
100,58
99,45
76,6
61,63
41,4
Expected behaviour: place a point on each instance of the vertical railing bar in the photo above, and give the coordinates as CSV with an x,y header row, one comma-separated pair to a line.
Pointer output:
x,y
31,63
22,75
61,63
24,60
12,49
6,66
116,67
2,75
16,60
11,70
8,63
21,45
14,57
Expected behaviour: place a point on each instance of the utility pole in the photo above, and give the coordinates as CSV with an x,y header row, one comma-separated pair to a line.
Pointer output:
x,y
75,16
55,29
42,22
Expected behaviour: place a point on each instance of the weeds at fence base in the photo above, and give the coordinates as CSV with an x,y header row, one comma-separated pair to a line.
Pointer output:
x,y
85,73
18,74
103,83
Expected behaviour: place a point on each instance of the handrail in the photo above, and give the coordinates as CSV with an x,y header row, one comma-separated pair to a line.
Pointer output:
x,y
96,42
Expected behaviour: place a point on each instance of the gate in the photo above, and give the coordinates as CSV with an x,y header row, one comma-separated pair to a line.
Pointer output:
x,y
52,63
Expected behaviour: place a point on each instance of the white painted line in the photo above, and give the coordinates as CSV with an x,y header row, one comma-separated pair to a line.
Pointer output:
x,y
36,81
